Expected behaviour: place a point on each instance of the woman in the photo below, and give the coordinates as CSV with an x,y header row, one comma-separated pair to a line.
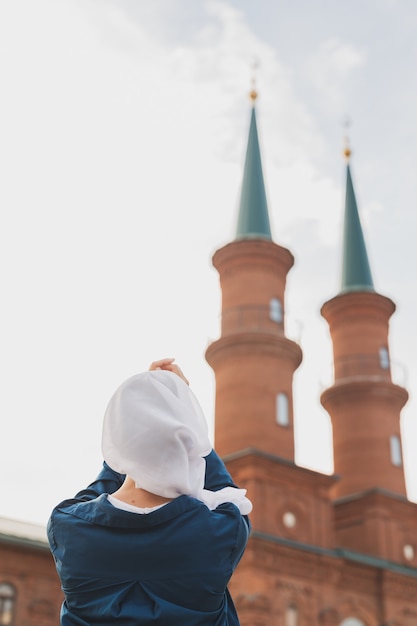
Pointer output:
x,y
156,538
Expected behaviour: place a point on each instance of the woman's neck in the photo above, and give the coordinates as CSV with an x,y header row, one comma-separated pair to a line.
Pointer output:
x,y
136,496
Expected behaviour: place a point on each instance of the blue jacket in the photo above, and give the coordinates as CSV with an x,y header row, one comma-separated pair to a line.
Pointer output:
x,y
170,567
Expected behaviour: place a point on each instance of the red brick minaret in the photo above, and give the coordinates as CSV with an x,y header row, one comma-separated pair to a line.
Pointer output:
x,y
372,513
253,360
363,402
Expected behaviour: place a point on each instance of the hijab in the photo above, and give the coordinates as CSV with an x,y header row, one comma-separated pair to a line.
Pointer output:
x,y
155,431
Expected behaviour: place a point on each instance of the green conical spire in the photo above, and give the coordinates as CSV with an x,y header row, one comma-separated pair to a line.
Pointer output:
x,y
356,272
253,220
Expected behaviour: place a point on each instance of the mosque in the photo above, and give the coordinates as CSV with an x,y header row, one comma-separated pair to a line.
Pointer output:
x,y
325,550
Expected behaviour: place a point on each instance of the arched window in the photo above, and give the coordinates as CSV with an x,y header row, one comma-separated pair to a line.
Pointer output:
x,y
7,604
395,447
352,621
282,411
384,358
275,310
291,615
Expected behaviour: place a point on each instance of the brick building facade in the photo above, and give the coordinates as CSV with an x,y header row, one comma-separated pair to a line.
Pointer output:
x,y
325,550
30,592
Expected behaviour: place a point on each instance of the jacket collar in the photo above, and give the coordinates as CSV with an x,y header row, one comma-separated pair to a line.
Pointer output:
x,y
100,511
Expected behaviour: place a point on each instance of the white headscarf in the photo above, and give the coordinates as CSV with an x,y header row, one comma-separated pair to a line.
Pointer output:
x,y
155,431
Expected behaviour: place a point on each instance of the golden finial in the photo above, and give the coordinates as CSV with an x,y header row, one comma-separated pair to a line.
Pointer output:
x,y
346,150
253,94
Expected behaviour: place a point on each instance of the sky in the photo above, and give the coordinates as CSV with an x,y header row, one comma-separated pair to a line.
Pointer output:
x,y
123,129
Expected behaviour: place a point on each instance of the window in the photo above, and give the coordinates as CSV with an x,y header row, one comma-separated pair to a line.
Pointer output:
x,y
289,519
275,310
282,412
395,446
384,358
291,615
7,604
408,551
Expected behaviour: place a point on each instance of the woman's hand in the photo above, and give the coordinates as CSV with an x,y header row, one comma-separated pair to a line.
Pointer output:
x,y
168,364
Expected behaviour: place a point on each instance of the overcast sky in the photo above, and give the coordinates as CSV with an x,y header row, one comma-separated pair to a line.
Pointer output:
x,y
123,128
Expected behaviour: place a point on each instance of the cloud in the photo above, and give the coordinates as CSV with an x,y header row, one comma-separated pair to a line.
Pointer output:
x,y
123,138
330,69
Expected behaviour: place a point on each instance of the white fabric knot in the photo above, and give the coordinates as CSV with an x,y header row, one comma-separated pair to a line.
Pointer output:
x,y
213,499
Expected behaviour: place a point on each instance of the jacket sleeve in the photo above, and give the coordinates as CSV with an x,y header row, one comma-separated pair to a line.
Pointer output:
x,y
108,481
217,475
